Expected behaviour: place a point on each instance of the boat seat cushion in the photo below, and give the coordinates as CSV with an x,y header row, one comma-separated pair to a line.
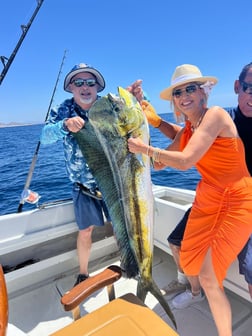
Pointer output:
x,y
126,315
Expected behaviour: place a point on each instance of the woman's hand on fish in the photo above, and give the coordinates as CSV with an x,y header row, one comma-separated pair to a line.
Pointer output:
x,y
74,124
136,145
136,89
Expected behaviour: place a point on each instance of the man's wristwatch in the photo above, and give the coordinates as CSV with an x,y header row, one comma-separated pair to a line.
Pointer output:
x,y
64,126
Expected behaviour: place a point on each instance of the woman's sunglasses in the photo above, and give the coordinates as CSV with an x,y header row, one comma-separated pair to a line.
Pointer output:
x,y
80,82
189,89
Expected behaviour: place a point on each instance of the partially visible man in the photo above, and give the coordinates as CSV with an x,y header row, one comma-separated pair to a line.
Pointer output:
x,y
242,116
84,82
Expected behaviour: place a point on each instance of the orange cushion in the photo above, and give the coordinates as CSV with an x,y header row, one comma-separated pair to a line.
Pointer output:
x,y
119,317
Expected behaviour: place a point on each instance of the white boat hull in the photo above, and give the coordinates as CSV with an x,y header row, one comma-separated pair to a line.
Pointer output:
x,y
44,240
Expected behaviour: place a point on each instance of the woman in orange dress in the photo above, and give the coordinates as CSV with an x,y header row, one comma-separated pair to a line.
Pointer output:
x,y
220,222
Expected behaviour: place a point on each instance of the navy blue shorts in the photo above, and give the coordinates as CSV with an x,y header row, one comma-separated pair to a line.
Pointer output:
x,y
177,234
88,210
245,261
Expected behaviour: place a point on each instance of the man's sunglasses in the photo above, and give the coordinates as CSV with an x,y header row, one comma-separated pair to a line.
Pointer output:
x,y
246,87
80,82
189,89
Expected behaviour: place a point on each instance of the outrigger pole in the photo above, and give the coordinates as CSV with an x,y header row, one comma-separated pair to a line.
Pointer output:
x,y
29,177
7,61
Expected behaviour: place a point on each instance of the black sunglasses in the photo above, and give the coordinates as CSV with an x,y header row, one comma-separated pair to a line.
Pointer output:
x,y
80,82
189,89
246,87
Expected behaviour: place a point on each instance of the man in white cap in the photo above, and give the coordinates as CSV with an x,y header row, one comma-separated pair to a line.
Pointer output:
x,y
83,82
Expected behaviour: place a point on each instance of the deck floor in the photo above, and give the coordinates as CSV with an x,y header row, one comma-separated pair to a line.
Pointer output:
x,y
39,312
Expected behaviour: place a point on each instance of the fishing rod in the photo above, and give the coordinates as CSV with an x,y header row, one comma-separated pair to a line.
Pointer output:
x,y
29,176
7,61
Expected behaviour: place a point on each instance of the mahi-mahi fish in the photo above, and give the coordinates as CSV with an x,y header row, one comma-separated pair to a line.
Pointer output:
x,y
124,180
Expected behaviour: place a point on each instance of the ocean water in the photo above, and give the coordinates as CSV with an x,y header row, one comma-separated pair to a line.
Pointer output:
x,y
48,176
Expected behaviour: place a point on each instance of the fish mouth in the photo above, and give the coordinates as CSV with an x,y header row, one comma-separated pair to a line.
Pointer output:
x,y
115,101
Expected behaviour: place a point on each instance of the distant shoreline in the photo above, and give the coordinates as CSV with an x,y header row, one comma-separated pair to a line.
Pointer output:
x,y
19,124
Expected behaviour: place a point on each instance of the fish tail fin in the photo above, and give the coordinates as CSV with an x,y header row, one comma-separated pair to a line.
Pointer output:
x,y
143,288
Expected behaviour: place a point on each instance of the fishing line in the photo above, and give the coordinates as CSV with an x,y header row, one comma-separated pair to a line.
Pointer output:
x,y
29,176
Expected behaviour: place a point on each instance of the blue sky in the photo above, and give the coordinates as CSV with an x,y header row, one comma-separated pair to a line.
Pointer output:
x,y
125,40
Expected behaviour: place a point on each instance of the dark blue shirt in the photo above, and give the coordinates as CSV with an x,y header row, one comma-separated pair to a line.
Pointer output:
x,y
244,128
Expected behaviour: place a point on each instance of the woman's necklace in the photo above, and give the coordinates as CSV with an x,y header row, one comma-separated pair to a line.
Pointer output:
x,y
193,128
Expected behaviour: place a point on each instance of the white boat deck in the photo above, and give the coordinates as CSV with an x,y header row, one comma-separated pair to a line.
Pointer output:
x,y
38,311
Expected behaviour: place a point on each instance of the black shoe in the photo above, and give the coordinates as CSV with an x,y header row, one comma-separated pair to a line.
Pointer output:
x,y
80,278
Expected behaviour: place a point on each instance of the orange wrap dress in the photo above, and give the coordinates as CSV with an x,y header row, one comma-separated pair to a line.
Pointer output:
x,y
221,215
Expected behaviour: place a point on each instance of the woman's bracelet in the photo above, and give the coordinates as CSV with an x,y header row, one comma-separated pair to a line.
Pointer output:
x,y
158,157
155,154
